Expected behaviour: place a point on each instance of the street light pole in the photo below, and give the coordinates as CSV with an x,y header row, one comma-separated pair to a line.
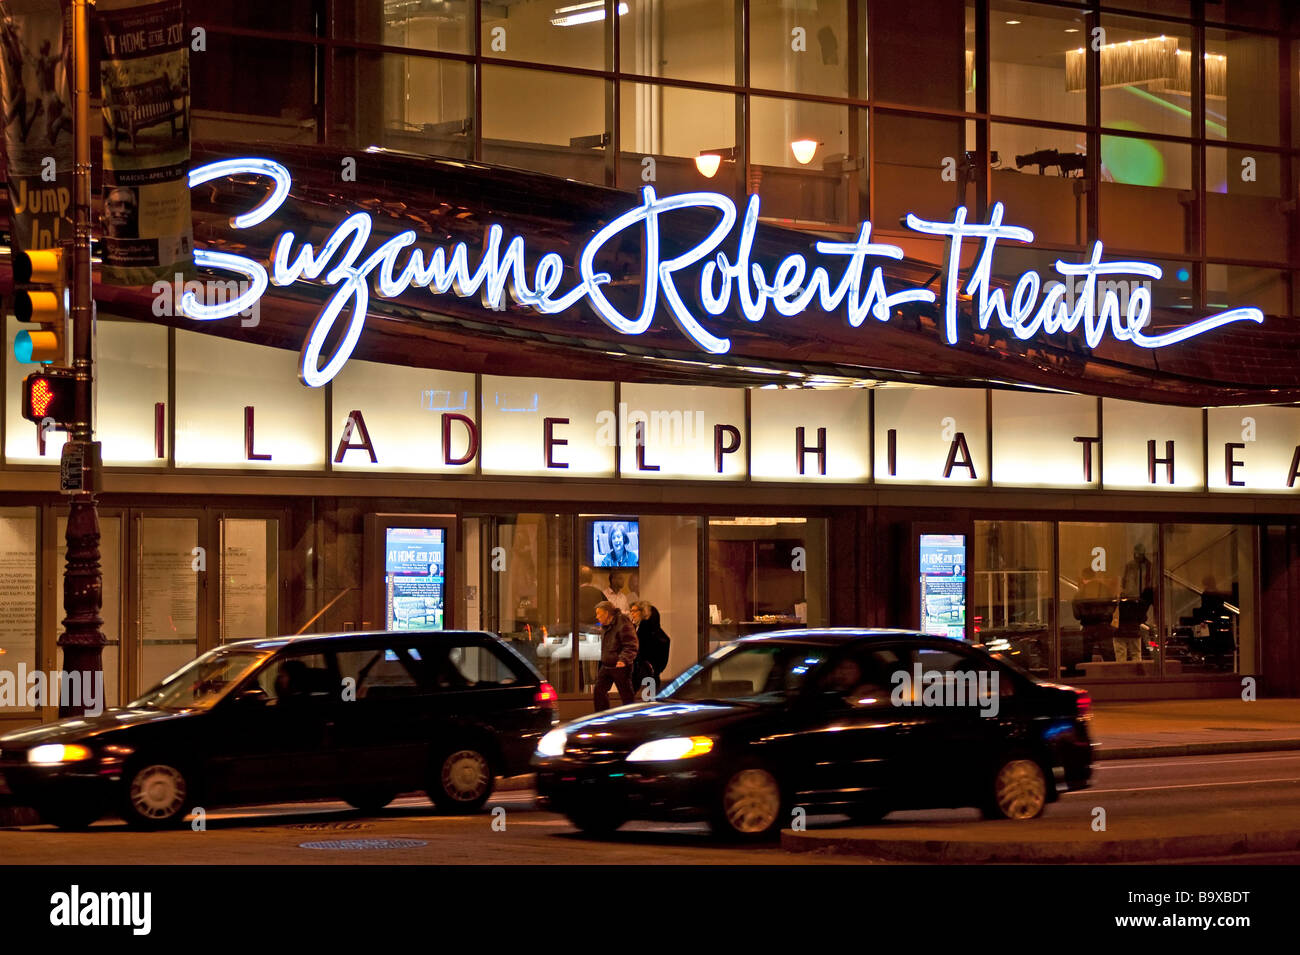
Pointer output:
x,y
82,639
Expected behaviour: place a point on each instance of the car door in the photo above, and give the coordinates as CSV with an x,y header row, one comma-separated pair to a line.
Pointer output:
x,y
274,736
482,687
847,728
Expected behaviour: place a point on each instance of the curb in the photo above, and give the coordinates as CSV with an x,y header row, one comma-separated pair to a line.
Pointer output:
x,y
1073,851
1196,749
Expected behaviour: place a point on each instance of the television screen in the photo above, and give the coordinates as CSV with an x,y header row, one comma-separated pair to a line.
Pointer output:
x,y
615,543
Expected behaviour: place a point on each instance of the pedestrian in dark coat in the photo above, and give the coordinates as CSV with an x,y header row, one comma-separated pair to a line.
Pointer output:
x,y
618,649
653,642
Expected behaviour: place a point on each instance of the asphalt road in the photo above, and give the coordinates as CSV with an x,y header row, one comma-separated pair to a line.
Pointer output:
x,y
1235,792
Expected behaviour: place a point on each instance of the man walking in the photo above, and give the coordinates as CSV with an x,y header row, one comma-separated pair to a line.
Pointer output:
x,y
618,648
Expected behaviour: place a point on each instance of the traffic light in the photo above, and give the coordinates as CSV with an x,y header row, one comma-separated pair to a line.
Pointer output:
x,y
50,394
41,298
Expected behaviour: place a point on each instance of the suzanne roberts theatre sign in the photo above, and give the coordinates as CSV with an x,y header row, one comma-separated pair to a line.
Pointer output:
x,y
1036,306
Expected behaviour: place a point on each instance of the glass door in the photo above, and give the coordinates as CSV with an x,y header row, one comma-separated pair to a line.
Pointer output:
x,y
249,596
170,560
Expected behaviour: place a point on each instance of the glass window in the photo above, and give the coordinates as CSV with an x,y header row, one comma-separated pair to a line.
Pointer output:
x,y
918,167
523,128
254,89
296,16
1106,601
1038,175
416,24
800,155
18,588
1145,76
1144,194
1209,599
1011,591
299,676
765,573
1247,13
250,578
556,32
201,683
803,48
1036,69
110,563
414,103
923,54
683,39
480,665
1244,218
673,127
1242,99
1233,286
380,672
748,672
168,594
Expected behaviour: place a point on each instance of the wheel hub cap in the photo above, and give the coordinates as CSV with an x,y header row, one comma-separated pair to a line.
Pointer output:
x,y
157,792
1021,789
464,775
752,800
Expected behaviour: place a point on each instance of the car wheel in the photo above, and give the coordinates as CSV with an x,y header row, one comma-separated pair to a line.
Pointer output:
x,y
462,779
369,800
595,822
157,795
750,805
72,818
1018,789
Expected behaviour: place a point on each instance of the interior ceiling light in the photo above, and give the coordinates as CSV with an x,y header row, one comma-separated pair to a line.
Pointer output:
x,y
1154,62
804,150
573,15
1013,23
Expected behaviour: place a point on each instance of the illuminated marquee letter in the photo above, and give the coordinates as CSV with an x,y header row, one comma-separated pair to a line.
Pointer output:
x,y
550,442
720,449
249,453
358,423
640,449
801,450
1167,461
959,446
1087,455
471,429
1230,464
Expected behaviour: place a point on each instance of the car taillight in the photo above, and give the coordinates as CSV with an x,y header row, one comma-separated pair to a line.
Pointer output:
x,y
1084,703
546,696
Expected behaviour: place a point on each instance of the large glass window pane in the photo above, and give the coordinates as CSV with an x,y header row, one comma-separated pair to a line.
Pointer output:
x,y
765,573
1248,13
18,588
1038,176
1234,286
1011,591
417,24
1244,218
555,32
523,128
1209,599
684,39
1033,72
923,54
800,155
802,47
297,16
1144,194
110,563
1242,99
674,126
415,103
168,595
250,578
668,579
1106,598
1145,76
254,89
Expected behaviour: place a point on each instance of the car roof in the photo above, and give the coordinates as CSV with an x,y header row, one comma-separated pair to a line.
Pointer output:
x,y
836,636
274,643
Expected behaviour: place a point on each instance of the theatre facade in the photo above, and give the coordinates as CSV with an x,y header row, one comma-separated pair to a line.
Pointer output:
x,y
408,387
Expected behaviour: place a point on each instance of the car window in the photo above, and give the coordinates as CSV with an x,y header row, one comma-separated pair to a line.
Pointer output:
x,y
861,676
294,677
759,672
479,665
380,672
958,672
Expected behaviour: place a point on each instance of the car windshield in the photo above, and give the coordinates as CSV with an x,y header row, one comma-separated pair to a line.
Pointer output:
x,y
201,683
748,672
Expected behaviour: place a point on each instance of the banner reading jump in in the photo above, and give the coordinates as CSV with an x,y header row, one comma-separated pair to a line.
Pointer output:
x,y
145,80
35,71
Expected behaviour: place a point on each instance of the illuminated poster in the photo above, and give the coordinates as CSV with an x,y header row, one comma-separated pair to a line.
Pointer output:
x,y
415,575
943,584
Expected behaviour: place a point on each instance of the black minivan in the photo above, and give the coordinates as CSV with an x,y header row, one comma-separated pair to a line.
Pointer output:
x,y
357,716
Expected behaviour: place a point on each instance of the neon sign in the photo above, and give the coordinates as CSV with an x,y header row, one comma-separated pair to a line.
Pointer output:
x,y
791,288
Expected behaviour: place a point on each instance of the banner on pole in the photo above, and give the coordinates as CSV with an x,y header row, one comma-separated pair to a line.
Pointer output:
x,y
145,81
35,79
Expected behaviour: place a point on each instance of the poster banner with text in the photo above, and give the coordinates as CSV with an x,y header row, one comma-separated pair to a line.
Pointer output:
x,y
35,67
145,82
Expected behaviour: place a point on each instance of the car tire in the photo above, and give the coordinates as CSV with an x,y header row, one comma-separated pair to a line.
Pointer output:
x,y
750,805
72,818
369,800
1017,788
595,822
462,779
156,794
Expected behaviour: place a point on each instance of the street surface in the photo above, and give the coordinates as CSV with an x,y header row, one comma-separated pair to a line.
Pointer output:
x,y
1231,793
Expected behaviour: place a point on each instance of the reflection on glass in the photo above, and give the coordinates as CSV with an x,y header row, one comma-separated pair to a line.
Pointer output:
x,y
249,578
522,128
1106,601
683,39
672,127
1145,76
168,597
1209,599
253,90
1144,198
923,54
414,103
802,48
1241,87
1011,591
804,159
1244,218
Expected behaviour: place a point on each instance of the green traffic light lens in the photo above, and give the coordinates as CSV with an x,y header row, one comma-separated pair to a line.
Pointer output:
x,y
23,347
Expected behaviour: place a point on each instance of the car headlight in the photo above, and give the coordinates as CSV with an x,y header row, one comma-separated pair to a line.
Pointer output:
x,y
675,747
552,744
57,753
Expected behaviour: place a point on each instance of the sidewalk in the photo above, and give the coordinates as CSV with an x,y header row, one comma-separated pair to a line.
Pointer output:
x,y
1189,727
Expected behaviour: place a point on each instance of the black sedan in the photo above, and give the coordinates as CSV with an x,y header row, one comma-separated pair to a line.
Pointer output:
x,y
837,721
357,716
